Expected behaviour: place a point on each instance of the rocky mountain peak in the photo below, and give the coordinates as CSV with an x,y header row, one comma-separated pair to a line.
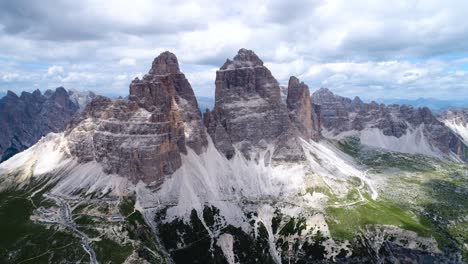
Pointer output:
x,y
25,95
27,118
37,93
300,108
165,63
142,138
11,94
324,91
244,58
357,100
294,82
249,112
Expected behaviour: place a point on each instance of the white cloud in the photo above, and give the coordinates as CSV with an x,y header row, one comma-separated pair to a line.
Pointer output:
x,y
78,77
8,77
127,61
54,69
120,77
350,46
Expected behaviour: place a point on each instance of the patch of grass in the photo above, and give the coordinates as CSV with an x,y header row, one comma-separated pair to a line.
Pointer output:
x,y
459,232
344,223
126,206
108,251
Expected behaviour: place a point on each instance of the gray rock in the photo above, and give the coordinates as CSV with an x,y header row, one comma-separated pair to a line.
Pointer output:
x,y
302,112
142,138
249,113
340,114
25,119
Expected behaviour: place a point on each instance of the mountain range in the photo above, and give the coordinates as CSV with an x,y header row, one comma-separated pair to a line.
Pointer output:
x,y
436,105
268,175
26,118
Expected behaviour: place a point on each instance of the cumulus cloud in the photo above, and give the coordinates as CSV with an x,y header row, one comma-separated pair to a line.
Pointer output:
x,y
128,61
54,69
378,48
8,77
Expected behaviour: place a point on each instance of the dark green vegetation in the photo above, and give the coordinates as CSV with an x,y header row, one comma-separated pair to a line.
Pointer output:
x,y
145,245
108,250
191,242
22,241
25,241
293,244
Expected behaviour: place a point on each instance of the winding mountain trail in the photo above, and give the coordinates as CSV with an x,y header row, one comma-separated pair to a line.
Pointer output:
x,y
67,221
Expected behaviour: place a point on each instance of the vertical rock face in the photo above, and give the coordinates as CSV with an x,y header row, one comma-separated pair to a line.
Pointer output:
x,y
340,114
302,112
25,119
142,138
166,89
249,113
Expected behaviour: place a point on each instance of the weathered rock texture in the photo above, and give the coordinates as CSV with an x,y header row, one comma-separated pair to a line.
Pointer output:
x,y
142,138
457,120
249,113
25,119
302,111
456,115
340,114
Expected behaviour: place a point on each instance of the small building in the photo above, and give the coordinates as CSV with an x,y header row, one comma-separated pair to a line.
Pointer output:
x,y
116,218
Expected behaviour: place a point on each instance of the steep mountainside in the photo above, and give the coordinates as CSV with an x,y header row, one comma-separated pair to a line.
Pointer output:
x,y
143,180
142,138
457,120
250,115
398,128
302,111
26,118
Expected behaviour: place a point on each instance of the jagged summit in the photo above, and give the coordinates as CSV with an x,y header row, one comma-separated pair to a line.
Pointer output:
x,y
301,109
294,82
249,112
142,138
244,58
11,94
26,118
165,63
400,128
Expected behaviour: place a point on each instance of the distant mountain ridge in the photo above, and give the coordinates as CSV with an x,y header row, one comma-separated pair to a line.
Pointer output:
x,y
205,102
436,105
26,118
400,128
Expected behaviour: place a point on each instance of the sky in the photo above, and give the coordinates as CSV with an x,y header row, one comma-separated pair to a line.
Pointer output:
x,y
374,49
